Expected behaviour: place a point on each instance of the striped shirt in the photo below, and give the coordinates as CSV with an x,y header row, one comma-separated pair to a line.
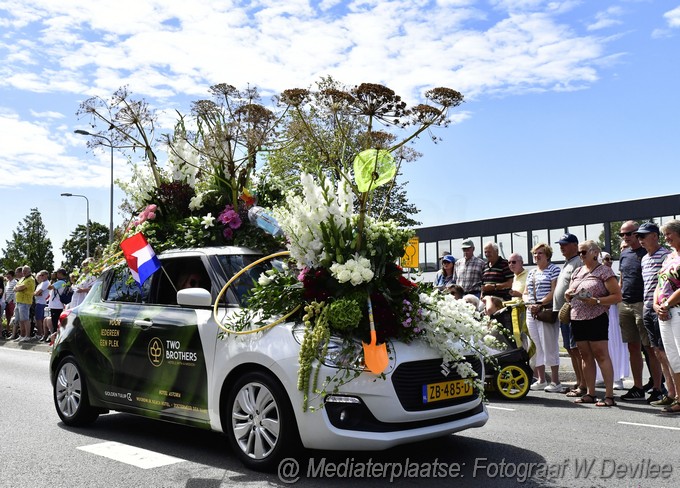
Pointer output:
x,y
650,273
541,281
9,290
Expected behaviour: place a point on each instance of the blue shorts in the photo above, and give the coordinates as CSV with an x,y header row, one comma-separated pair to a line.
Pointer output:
x,y
40,311
567,336
23,311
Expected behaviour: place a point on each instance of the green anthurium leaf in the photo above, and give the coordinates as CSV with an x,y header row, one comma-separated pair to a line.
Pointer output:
x,y
372,168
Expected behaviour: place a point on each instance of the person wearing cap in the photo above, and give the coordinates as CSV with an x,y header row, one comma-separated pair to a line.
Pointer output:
x,y
633,329
496,275
648,235
467,272
569,248
667,304
444,277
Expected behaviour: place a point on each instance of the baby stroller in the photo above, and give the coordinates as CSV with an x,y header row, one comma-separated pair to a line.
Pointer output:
x,y
510,374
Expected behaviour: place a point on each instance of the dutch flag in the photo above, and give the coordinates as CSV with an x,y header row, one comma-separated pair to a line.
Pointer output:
x,y
140,257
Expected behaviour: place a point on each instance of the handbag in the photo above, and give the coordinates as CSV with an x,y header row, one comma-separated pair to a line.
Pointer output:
x,y
545,314
565,313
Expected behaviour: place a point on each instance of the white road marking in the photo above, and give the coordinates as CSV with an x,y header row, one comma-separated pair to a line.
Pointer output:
x,y
650,425
501,408
142,458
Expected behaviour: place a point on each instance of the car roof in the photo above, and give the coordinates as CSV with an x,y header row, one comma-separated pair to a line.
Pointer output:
x,y
210,251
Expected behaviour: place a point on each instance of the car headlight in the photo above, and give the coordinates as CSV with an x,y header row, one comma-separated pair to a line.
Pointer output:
x,y
342,353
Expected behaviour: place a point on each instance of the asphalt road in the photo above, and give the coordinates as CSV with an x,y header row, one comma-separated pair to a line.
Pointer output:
x,y
543,440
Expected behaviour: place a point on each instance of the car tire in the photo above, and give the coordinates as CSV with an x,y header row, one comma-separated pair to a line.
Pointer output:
x,y
259,422
70,395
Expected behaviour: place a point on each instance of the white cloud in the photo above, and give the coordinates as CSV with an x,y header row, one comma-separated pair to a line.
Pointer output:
x,y
673,17
606,18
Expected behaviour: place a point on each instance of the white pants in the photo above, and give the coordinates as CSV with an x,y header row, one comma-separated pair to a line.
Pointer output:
x,y
670,335
546,337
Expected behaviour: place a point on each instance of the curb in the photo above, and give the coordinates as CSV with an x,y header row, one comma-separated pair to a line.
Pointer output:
x,y
24,346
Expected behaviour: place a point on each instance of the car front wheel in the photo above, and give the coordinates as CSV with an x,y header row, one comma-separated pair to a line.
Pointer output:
x,y
70,395
259,422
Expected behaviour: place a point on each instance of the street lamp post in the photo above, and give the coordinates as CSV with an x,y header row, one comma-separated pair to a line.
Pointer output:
x,y
86,133
87,225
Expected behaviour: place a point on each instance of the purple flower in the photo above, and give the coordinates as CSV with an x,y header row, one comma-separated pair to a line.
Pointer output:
x,y
228,233
229,217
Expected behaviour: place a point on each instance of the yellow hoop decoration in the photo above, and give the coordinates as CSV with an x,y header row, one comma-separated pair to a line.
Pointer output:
x,y
234,278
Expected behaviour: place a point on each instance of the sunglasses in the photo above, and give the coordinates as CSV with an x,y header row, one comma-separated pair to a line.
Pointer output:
x,y
583,253
512,262
606,259
627,234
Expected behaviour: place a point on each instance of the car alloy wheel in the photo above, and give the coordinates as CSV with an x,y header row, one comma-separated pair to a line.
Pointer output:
x,y
261,421
70,395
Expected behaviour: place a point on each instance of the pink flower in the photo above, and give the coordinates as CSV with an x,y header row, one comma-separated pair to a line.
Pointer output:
x,y
228,233
229,217
149,213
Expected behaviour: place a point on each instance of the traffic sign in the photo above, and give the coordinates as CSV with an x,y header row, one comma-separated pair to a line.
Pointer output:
x,y
410,258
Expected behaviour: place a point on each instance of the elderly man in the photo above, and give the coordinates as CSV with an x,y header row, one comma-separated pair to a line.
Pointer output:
x,y
24,299
467,272
496,275
648,235
572,261
633,330
519,282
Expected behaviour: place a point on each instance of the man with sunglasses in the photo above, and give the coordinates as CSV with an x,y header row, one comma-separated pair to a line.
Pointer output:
x,y
633,330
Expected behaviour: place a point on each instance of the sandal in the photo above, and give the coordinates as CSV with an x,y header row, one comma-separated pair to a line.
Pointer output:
x,y
576,392
586,399
673,408
607,402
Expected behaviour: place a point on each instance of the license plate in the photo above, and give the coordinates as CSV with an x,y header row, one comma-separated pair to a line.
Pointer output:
x,y
435,392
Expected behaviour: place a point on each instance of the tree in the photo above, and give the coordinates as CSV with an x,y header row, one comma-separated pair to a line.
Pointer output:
x,y
75,247
29,245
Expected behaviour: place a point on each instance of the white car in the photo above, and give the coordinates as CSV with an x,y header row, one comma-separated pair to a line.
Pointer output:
x,y
158,352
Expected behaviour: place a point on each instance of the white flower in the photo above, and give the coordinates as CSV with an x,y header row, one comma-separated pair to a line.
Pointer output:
x,y
208,221
196,202
343,276
264,280
356,278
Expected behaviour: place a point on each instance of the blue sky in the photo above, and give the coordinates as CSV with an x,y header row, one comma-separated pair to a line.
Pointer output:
x,y
568,103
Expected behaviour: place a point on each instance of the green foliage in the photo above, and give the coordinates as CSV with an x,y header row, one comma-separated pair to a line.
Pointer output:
x,y
345,314
75,247
29,245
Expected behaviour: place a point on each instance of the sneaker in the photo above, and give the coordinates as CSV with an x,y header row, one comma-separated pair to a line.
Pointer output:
x,y
654,396
635,394
599,384
649,385
555,388
618,385
23,339
538,386
664,402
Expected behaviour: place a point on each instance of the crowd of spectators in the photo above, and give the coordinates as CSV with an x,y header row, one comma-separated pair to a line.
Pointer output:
x,y
613,325
30,304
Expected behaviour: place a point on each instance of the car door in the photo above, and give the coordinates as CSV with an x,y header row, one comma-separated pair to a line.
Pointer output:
x,y
158,356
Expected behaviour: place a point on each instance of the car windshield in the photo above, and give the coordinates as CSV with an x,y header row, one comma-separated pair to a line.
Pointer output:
x,y
231,264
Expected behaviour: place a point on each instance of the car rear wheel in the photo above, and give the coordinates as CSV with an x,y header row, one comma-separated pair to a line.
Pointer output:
x,y
259,422
70,395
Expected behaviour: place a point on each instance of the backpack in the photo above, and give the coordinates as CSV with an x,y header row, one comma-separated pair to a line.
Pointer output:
x,y
66,295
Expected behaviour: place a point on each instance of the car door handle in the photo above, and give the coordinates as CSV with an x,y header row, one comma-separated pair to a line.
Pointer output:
x,y
143,324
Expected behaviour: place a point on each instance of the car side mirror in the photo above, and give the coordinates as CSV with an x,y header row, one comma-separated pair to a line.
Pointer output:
x,y
194,297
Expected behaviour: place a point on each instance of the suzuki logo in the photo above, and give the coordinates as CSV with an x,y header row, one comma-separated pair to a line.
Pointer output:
x,y
445,369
